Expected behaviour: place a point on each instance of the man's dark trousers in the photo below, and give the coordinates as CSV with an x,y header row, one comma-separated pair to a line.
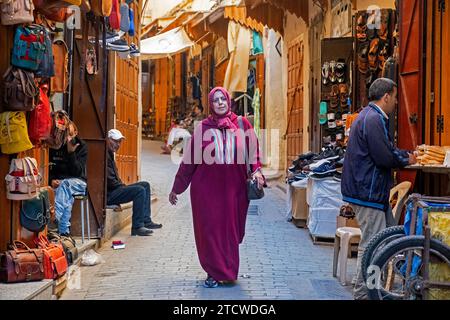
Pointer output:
x,y
139,193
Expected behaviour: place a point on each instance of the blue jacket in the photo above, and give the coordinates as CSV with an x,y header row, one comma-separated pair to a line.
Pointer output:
x,y
370,157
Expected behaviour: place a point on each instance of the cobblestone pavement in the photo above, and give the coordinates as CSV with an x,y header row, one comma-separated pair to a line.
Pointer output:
x,y
278,260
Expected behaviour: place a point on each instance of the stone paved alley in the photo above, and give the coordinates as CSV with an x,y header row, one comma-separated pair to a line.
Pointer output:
x,y
278,260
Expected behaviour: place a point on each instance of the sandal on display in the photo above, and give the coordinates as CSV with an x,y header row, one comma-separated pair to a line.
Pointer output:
x,y
384,25
363,64
333,78
373,54
340,71
361,27
325,73
334,97
343,92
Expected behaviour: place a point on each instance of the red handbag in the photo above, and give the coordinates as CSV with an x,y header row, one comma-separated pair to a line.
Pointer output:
x,y
114,18
55,262
40,123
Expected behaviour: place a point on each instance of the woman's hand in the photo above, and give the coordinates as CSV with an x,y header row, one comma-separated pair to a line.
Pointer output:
x,y
173,198
259,178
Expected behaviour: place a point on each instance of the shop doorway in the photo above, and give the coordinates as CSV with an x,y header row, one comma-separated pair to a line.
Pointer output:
x,y
294,131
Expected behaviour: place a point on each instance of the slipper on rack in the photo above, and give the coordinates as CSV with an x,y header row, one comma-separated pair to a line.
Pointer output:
x,y
334,97
333,78
363,64
323,112
325,73
340,71
373,54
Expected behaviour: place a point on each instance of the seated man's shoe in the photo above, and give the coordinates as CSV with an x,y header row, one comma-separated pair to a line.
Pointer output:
x,y
142,231
153,225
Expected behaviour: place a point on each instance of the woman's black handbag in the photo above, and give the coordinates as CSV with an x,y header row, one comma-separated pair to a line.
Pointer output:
x,y
253,192
35,213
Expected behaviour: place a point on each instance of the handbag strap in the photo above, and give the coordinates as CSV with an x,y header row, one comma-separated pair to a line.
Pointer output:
x,y
242,130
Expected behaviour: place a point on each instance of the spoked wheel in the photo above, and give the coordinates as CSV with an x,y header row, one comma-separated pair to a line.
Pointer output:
x,y
377,243
386,276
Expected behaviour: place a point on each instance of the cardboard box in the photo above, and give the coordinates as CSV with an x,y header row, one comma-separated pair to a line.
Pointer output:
x,y
299,208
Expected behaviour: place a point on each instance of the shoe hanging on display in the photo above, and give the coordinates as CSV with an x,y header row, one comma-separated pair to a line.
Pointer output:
x,y
340,71
325,73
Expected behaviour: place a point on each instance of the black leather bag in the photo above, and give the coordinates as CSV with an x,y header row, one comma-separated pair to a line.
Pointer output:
x,y
253,192
35,213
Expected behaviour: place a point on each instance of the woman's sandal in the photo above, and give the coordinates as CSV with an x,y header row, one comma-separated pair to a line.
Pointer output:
x,y
210,283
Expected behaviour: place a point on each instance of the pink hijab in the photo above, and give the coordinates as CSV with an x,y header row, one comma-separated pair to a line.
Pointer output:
x,y
220,121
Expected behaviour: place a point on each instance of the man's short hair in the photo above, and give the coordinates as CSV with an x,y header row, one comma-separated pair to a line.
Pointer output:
x,y
380,87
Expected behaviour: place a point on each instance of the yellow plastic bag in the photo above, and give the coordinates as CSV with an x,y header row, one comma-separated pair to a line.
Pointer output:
x,y
14,133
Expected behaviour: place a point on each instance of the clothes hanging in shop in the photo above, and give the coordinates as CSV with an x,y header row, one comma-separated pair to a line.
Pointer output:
x,y
239,40
257,43
196,87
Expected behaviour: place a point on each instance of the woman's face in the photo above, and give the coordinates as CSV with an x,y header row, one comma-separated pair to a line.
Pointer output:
x,y
220,103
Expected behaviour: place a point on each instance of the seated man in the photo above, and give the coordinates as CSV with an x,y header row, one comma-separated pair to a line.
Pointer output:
x,y
68,176
196,117
177,133
119,193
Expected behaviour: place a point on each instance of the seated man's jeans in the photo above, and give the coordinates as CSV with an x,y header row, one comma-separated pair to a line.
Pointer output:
x,y
64,201
139,193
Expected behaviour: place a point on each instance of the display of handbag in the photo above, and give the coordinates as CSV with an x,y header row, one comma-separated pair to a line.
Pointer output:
x,y
40,123
20,92
60,81
55,261
68,244
29,47
253,192
14,133
23,179
16,11
58,133
114,17
35,213
101,8
22,264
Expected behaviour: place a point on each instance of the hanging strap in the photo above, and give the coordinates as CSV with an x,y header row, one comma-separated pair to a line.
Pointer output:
x,y
105,67
242,130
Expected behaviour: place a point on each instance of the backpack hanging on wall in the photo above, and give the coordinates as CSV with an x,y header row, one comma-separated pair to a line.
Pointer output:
x,y
40,120
60,81
23,179
20,92
46,68
16,11
58,133
14,133
29,47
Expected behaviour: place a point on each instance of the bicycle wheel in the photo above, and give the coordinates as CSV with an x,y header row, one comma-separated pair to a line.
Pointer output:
x,y
386,276
378,242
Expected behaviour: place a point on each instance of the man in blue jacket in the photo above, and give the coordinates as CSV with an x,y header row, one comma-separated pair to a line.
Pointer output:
x,y
369,160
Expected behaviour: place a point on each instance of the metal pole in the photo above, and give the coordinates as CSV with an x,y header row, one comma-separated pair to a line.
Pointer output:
x,y
426,259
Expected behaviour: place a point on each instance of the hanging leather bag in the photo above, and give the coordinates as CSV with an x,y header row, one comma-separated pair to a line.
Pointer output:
x,y
46,68
101,8
22,264
40,123
29,47
55,262
23,179
35,213
14,133
20,92
60,81
58,133
16,11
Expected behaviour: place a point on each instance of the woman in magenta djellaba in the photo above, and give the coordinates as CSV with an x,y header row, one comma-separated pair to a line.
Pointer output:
x,y
214,166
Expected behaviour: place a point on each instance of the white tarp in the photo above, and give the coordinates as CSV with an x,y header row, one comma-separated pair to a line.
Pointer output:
x,y
167,43
202,5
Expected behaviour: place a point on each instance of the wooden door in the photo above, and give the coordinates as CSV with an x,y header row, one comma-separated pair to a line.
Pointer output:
x,y
439,95
411,74
91,116
207,74
127,108
295,101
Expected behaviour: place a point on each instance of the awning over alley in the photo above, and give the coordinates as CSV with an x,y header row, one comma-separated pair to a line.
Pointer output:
x,y
170,42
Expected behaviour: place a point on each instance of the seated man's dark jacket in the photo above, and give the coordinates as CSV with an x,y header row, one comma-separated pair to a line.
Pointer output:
x,y
113,180
65,165
369,160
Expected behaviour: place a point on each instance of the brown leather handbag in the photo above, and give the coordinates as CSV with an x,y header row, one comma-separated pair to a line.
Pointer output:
x,y
60,81
22,264
55,262
20,92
